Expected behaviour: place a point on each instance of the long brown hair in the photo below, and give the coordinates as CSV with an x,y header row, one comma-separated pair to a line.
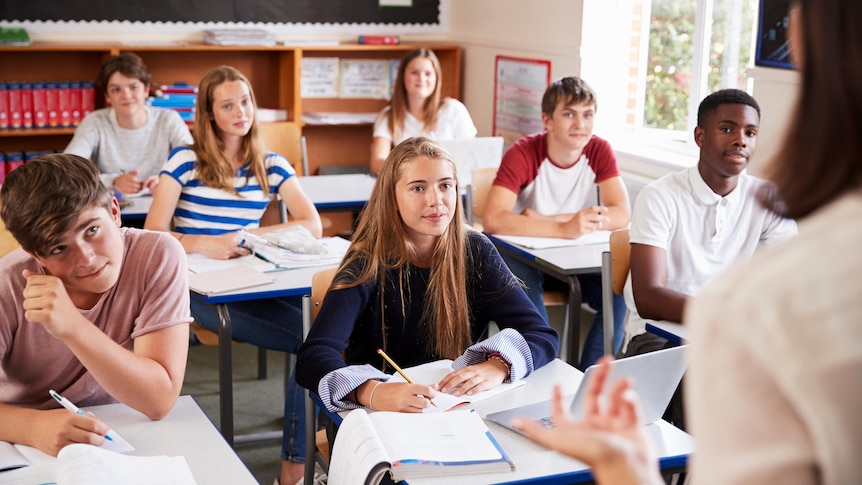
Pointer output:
x,y
214,169
381,246
397,108
821,157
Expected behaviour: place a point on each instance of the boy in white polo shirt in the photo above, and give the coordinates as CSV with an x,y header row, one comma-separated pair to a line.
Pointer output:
x,y
689,226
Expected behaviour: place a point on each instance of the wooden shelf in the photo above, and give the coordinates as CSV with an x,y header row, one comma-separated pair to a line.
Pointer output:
x,y
274,73
37,132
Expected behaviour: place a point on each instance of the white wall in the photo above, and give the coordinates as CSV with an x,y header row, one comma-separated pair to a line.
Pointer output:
x,y
775,91
539,29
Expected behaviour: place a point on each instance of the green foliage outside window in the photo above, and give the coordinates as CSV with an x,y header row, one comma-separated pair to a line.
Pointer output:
x,y
671,49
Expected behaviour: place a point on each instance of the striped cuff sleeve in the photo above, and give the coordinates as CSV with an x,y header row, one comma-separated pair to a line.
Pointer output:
x,y
336,385
510,344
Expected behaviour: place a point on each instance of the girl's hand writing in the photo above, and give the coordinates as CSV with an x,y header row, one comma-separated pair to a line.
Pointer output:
x,y
224,246
396,396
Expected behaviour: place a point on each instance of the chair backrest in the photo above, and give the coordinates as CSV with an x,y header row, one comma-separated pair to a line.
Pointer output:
x,y
7,241
284,139
320,283
620,259
482,179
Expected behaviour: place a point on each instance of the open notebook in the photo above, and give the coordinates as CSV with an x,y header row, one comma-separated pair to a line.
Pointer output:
x,y
81,464
411,446
433,372
14,456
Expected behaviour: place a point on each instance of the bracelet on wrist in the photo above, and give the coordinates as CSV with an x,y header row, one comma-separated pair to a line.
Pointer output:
x,y
371,396
498,356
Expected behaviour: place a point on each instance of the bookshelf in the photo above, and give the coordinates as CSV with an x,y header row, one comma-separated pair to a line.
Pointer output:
x,y
274,73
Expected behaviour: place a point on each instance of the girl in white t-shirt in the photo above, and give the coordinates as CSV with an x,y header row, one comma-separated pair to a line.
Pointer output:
x,y
416,108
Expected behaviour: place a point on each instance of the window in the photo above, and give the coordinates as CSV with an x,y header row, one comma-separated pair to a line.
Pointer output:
x,y
682,51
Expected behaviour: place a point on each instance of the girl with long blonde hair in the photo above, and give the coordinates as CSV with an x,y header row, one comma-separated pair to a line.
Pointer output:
x,y
420,284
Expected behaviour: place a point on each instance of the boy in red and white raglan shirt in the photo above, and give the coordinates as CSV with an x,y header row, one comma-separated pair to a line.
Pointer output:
x,y
546,187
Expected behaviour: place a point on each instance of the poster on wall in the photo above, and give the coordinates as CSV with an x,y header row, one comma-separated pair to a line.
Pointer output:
x,y
518,88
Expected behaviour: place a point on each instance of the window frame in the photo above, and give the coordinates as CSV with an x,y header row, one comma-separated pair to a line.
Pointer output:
x,y
669,148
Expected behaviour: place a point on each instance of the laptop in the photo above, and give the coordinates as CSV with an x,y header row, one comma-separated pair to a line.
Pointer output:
x,y
655,376
472,153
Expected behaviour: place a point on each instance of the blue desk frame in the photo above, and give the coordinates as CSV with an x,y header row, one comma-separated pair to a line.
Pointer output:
x,y
541,260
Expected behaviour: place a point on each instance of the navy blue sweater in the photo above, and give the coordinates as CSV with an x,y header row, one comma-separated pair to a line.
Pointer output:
x,y
350,319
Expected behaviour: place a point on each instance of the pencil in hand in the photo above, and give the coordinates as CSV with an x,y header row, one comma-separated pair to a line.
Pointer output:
x,y
398,369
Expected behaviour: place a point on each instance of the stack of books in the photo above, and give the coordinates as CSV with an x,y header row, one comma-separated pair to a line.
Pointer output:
x,y
179,97
239,37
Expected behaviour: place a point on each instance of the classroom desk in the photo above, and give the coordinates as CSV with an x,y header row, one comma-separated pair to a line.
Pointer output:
x,y
536,464
564,264
338,192
290,282
137,209
670,331
329,193
185,431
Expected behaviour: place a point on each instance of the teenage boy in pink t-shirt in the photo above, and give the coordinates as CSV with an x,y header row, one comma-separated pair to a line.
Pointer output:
x,y
97,312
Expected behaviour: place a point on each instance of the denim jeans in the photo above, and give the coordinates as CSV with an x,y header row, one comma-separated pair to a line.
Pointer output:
x,y
275,324
591,293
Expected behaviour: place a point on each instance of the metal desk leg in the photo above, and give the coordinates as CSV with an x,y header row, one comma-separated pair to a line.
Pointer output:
x,y
573,342
607,304
225,370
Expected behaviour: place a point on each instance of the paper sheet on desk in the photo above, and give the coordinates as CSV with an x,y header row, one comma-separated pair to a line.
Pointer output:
x,y
140,193
228,279
198,263
433,372
597,237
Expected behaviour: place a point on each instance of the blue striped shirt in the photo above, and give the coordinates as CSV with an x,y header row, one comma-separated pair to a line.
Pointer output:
x,y
206,210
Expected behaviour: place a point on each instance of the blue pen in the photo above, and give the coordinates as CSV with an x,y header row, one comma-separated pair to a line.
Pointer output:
x,y
71,407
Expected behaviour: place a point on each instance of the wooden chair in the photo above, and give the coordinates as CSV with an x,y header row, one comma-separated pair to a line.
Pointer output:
x,y
615,271
477,196
285,139
316,450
